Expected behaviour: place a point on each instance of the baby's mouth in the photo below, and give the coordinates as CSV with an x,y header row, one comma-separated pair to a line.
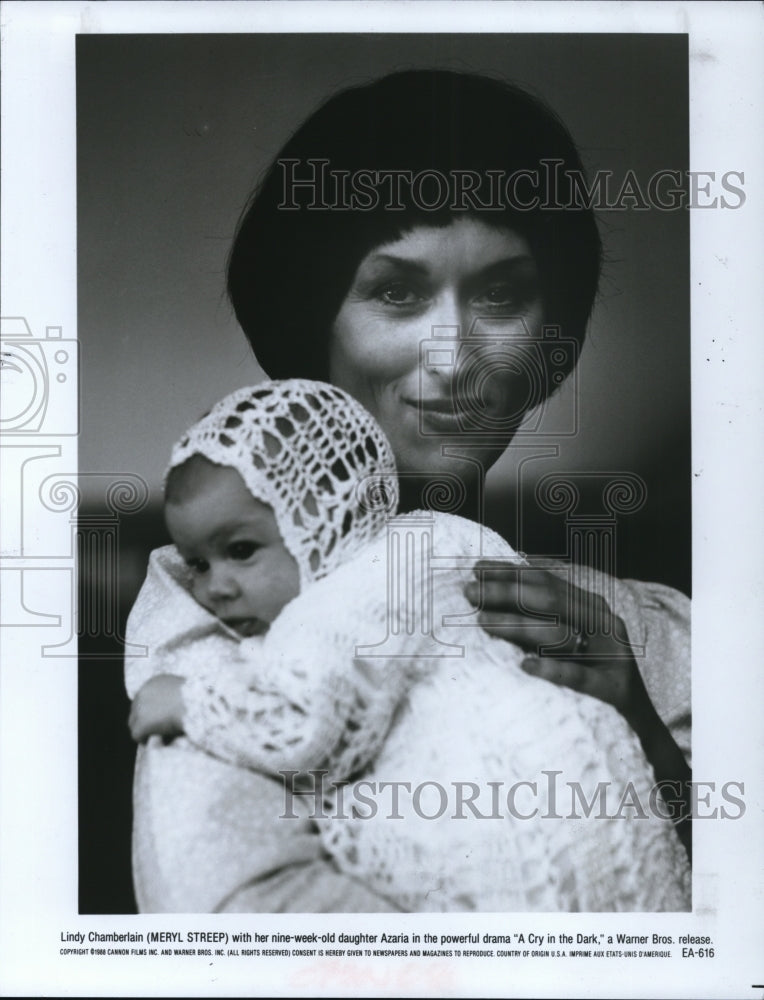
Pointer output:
x,y
246,627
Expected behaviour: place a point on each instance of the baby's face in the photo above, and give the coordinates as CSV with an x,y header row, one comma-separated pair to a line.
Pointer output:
x,y
242,571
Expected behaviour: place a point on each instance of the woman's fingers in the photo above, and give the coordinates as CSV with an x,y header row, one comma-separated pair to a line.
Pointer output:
x,y
566,673
525,588
531,608
531,634
527,596
616,682
538,594
572,636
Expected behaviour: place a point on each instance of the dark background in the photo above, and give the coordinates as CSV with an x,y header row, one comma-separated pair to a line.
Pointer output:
x,y
172,133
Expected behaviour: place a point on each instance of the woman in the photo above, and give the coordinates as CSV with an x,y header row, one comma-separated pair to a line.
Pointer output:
x,y
421,243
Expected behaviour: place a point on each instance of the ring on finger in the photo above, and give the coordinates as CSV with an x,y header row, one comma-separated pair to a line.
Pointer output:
x,y
581,644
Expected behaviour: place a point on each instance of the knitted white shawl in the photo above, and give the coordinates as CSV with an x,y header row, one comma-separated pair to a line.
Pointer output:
x,y
314,693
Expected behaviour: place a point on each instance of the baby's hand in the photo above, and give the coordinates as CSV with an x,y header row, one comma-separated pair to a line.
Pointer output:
x,y
157,708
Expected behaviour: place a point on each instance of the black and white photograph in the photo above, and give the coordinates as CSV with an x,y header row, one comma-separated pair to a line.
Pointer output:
x,y
396,246
377,578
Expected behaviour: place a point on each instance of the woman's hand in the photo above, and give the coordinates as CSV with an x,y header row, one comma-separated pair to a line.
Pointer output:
x,y
571,636
157,708
573,639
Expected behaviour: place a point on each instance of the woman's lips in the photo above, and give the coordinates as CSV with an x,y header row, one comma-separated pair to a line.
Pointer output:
x,y
436,405
439,413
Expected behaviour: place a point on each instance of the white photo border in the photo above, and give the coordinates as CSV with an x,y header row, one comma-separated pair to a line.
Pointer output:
x,y
38,696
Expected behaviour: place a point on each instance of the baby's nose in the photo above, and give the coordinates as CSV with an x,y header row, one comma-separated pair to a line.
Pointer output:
x,y
222,584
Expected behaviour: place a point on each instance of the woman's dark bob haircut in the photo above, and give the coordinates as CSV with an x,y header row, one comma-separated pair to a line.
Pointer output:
x,y
419,147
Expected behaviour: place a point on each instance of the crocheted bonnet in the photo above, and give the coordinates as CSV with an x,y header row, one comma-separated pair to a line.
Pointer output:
x,y
314,455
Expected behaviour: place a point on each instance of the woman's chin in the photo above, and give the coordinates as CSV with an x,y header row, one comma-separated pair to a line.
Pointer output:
x,y
450,459
440,482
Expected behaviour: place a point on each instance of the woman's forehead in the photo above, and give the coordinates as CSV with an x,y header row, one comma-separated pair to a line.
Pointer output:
x,y
465,244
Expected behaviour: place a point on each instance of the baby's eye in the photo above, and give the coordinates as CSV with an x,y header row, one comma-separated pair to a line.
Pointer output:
x,y
242,550
198,565
398,293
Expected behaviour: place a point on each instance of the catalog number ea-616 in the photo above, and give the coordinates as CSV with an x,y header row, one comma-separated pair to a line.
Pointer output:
x,y
696,947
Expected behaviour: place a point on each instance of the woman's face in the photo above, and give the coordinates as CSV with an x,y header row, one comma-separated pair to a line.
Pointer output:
x,y
434,338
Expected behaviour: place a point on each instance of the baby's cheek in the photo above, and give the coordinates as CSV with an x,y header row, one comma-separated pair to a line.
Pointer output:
x,y
285,585
199,593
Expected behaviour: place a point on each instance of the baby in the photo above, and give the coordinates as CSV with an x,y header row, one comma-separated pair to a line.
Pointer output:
x,y
280,643
261,499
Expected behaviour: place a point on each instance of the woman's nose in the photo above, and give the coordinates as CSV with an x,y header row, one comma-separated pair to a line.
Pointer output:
x,y
449,315
447,321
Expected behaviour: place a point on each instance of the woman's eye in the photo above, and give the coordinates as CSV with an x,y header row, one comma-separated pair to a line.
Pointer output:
x,y
398,294
198,565
507,295
242,550
497,296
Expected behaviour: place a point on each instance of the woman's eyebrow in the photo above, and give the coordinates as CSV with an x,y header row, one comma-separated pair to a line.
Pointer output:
x,y
499,267
402,263
407,264
521,268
